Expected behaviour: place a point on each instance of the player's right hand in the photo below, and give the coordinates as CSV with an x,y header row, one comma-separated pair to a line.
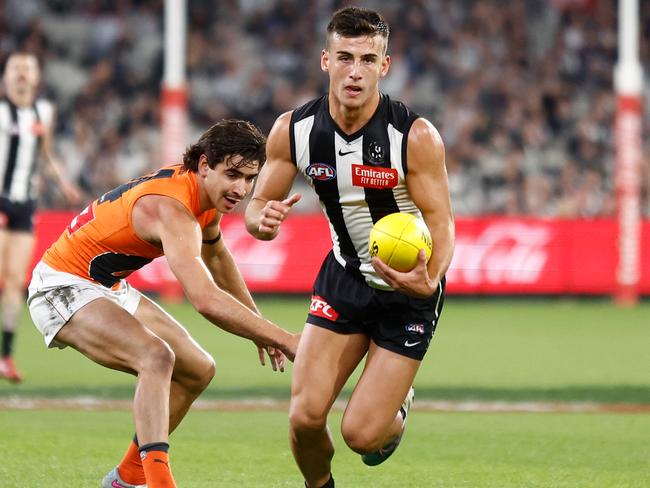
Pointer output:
x,y
276,357
292,347
274,213
416,283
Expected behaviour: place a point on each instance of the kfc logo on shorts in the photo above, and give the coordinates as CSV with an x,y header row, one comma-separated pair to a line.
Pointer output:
x,y
320,308
321,172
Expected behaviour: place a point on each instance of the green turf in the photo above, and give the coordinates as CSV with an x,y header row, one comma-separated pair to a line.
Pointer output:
x,y
249,449
563,350
496,349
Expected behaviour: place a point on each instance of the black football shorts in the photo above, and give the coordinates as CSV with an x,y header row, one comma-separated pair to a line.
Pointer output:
x,y
342,302
17,216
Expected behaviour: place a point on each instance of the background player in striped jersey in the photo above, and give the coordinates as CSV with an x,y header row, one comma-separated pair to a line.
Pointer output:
x,y
78,296
26,130
365,156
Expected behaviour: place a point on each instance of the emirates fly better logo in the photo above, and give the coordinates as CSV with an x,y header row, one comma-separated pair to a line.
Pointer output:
x,y
369,177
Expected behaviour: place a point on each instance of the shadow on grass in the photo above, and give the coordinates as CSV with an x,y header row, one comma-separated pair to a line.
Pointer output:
x,y
610,394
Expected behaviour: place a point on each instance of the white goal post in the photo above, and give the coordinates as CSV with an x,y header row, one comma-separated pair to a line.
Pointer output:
x,y
628,80
173,103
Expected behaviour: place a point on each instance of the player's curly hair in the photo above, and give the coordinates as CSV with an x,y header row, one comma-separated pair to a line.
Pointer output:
x,y
225,139
356,21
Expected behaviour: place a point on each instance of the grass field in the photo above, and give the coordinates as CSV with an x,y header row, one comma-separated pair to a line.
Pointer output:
x,y
485,350
226,450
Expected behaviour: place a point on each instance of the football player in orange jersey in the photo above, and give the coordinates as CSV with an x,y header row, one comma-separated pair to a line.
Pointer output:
x,y
78,296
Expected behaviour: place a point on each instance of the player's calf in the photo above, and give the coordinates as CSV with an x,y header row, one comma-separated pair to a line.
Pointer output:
x,y
362,441
384,452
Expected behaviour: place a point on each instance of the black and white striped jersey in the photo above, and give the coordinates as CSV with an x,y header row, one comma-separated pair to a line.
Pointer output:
x,y
359,178
21,135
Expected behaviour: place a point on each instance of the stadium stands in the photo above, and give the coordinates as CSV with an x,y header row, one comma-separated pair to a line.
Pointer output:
x,y
521,91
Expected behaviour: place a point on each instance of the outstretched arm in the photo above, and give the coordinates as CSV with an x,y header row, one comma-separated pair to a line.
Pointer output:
x,y
226,274
428,187
164,220
222,267
269,205
53,167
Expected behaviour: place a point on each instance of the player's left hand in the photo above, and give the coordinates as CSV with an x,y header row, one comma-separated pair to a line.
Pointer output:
x,y
276,357
416,283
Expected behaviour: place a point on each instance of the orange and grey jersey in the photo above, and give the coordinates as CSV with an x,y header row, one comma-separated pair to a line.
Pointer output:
x,y
359,178
101,245
21,135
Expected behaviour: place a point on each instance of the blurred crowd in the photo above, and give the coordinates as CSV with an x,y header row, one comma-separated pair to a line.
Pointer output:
x,y
521,91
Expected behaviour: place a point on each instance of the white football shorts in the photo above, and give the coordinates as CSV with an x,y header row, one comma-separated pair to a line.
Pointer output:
x,y
54,297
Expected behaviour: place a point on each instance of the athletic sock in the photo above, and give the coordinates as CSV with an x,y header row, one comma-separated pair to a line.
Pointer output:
x,y
130,468
329,484
7,343
155,461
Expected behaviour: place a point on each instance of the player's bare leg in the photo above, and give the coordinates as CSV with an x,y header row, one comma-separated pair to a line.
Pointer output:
x,y
194,368
323,363
110,336
16,255
372,419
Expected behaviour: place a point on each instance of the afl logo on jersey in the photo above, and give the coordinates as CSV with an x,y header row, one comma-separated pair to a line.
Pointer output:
x,y
321,172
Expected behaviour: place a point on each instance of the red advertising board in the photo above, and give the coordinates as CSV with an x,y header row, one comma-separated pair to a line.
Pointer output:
x,y
493,255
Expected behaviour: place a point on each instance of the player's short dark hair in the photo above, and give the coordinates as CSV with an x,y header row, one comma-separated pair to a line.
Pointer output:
x,y
225,139
21,53
356,22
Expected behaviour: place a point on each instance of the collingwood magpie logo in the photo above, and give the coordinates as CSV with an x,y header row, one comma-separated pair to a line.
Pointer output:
x,y
376,153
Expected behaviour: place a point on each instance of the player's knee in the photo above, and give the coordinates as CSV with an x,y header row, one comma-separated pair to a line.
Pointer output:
x,y
302,418
202,374
197,376
159,358
209,369
13,282
361,440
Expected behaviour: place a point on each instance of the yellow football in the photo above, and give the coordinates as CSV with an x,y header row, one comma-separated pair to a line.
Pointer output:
x,y
397,238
